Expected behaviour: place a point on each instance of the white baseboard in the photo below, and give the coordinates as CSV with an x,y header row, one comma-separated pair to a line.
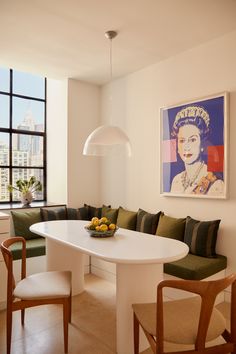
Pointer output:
x,y
104,274
103,269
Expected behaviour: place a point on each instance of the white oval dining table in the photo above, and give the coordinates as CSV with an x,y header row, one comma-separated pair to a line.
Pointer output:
x,y
139,259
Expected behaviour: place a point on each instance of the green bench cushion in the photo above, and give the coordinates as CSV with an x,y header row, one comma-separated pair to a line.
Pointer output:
x,y
196,267
34,248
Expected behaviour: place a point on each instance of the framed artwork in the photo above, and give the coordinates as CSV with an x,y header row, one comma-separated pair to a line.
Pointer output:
x,y
194,148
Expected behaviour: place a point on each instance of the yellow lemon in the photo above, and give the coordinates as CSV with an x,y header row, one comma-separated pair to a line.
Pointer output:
x,y
103,227
103,220
112,227
97,228
95,221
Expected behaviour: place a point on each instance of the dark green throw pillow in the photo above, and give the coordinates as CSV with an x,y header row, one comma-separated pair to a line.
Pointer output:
x,y
77,213
23,220
201,236
93,211
147,222
171,227
126,219
49,214
110,214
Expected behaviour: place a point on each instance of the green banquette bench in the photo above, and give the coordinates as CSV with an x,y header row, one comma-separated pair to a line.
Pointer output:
x,y
201,236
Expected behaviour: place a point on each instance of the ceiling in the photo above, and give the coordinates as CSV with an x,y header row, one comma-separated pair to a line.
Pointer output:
x,y
65,38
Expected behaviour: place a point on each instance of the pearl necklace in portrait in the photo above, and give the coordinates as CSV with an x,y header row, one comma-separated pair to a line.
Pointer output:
x,y
188,182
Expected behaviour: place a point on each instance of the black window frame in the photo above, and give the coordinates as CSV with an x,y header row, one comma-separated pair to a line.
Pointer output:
x,y
10,131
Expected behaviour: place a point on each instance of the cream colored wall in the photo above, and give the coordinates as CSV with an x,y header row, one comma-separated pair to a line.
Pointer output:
x,y
137,99
57,141
83,172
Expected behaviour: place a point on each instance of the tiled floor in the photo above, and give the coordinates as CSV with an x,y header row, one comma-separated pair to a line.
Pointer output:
x,y
92,330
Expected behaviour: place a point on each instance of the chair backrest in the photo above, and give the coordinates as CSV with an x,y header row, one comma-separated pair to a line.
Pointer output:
x,y
208,291
8,259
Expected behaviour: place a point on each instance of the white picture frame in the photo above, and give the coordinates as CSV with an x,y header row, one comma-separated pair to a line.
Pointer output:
x,y
194,148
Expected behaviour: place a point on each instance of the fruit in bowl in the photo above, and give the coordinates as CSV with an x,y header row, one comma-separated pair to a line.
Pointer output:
x,y
101,227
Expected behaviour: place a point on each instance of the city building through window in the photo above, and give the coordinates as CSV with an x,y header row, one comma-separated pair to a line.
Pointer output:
x,y
22,131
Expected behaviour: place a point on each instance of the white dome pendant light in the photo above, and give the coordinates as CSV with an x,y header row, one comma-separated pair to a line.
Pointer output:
x,y
107,139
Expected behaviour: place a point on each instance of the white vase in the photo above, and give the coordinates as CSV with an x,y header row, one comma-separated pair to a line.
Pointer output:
x,y
26,198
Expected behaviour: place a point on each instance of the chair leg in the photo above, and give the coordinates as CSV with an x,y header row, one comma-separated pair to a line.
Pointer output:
x,y
9,330
66,307
23,317
70,307
136,335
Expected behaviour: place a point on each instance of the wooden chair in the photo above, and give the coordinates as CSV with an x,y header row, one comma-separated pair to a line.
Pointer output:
x,y
193,321
37,289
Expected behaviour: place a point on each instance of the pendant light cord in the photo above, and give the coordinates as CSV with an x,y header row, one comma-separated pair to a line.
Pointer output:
x,y
110,35
111,73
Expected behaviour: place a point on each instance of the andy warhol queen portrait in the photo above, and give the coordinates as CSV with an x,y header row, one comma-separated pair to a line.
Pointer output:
x,y
194,147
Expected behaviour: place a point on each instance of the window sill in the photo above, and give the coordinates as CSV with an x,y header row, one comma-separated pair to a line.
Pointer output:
x,y
10,206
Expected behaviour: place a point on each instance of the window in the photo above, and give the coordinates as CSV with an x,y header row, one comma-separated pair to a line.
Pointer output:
x,y
22,131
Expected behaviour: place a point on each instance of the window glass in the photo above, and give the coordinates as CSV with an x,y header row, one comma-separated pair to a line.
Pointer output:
x,y
27,150
4,80
28,114
28,85
25,173
4,111
4,149
4,181
38,173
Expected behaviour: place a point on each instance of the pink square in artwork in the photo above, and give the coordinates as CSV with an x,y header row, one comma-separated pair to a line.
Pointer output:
x,y
169,150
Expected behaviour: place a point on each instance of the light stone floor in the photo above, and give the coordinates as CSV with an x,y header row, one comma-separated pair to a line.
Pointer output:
x,y
93,328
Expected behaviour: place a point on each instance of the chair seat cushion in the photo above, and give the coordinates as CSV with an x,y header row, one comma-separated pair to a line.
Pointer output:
x,y
44,285
196,267
187,312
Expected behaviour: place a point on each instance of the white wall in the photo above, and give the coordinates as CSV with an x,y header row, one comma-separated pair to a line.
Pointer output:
x,y
57,141
83,172
137,98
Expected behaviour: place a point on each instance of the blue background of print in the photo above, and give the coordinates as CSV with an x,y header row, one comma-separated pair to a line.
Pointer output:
x,y
215,109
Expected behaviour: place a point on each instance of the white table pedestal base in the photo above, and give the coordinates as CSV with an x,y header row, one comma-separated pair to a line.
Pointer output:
x,y
134,284
60,257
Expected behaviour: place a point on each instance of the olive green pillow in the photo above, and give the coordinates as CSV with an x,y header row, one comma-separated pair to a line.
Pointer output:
x,y
23,220
110,214
171,227
126,219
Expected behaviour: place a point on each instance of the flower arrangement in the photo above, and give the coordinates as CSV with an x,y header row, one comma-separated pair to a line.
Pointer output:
x,y
26,188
